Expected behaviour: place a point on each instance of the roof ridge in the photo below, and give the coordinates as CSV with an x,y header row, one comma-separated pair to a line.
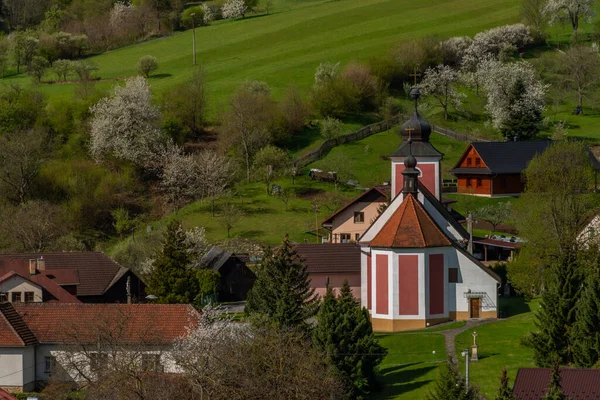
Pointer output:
x,y
432,221
13,317
414,210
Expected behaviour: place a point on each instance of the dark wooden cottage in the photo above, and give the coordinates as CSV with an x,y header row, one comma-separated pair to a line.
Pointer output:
x,y
495,168
236,278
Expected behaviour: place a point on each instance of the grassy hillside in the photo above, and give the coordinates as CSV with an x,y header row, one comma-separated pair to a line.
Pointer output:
x,y
287,45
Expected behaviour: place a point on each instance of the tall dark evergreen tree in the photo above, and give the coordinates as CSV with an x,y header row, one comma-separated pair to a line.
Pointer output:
x,y
557,314
554,388
451,385
345,334
171,279
585,336
282,291
504,391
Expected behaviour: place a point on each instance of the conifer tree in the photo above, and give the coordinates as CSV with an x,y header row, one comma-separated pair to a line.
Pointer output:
x,y
345,334
170,278
451,385
504,392
585,336
557,314
282,291
554,388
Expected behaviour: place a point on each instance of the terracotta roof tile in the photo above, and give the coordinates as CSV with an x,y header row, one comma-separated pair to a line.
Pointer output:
x,y
330,258
4,395
132,323
21,269
577,384
410,226
13,331
96,270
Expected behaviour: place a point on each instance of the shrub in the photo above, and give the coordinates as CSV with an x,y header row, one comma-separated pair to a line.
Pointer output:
x,y
337,98
359,76
390,108
197,19
233,9
62,69
146,65
331,128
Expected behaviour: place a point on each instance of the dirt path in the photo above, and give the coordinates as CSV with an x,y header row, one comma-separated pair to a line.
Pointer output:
x,y
451,334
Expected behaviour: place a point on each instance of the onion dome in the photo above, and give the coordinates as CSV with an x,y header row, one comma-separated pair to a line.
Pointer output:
x,y
416,128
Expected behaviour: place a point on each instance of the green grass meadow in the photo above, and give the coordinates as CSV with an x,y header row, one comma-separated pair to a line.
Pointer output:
x,y
286,46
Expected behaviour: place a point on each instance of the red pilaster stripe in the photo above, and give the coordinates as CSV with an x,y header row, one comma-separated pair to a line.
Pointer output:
x,y
369,282
427,177
408,283
399,179
381,265
436,284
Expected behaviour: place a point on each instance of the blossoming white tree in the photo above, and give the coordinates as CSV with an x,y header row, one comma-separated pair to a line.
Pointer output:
x,y
125,125
233,9
514,95
440,83
570,11
208,14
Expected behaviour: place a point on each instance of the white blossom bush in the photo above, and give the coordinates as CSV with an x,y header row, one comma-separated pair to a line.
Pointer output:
x,y
500,82
208,14
180,181
233,9
326,72
125,125
571,11
121,14
440,83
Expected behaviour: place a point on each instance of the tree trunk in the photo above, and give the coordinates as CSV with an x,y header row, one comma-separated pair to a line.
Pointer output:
x,y
212,207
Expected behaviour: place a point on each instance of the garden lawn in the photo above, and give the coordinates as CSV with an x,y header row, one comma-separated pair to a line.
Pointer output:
x,y
499,346
410,368
286,46
367,158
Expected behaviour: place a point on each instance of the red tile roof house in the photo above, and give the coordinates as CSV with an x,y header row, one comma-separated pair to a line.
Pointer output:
x,y
68,277
576,384
39,339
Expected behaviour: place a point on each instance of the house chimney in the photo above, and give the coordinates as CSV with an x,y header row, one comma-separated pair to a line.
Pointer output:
x,y
32,267
128,288
41,264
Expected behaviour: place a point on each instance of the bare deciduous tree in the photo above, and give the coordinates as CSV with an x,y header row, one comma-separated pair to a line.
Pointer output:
x,y
230,216
215,174
286,195
21,155
580,71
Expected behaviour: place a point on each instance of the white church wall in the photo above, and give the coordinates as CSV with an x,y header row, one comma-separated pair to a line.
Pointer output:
x,y
472,277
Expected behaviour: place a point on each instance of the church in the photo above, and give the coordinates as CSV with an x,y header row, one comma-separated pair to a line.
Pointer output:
x,y
414,268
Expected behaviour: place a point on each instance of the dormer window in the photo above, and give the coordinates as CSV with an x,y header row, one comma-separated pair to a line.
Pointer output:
x,y
359,217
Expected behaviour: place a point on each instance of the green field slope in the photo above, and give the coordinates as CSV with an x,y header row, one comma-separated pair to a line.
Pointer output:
x,y
287,45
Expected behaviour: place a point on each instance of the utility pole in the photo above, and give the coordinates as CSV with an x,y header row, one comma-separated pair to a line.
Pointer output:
x,y
193,15
470,231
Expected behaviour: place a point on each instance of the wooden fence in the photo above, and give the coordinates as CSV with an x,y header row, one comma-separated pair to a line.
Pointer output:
x,y
372,129
362,133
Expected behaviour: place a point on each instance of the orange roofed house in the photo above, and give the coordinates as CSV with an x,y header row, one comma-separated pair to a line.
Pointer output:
x,y
38,340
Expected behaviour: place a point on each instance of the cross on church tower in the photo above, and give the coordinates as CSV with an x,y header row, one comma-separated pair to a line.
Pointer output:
x,y
410,130
415,74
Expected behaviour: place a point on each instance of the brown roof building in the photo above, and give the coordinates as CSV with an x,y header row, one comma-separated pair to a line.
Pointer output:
x,y
90,277
576,384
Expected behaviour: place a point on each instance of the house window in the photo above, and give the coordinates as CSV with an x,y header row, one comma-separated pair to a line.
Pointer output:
x,y
478,161
356,237
344,238
359,217
469,161
151,362
98,361
469,183
478,182
49,364
16,297
453,275
3,297
28,297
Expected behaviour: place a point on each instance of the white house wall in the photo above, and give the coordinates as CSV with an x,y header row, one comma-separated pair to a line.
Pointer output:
x,y
17,284
17,368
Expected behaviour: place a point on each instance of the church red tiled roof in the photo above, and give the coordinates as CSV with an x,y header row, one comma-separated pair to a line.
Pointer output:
x,y
4,395
152,324
410,227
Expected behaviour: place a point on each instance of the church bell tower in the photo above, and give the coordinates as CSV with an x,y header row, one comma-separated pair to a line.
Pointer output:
x,y
417,131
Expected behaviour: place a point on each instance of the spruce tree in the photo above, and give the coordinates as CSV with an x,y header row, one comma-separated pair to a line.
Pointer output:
x,y
504,392
451,385
171,278
557,314
345,334
554,388
282,291
585,336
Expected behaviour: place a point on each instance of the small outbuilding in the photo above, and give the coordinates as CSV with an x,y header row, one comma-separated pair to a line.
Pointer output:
x,y
236,278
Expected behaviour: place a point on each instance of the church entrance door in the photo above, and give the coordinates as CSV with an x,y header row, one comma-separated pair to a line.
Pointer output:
x,y
474,307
